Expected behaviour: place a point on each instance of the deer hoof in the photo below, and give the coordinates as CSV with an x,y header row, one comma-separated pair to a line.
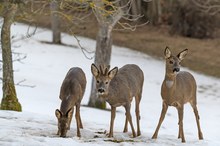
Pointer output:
x,y
138,133
154,136
200,136
125,130
183,140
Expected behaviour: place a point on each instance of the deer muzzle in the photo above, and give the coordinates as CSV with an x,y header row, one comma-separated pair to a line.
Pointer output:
x,y
63,134
176,69
101,91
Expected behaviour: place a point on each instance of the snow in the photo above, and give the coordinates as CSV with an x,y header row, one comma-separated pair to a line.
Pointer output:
x,y
45,68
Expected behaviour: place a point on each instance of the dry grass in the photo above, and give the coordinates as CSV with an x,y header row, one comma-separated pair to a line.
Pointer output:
x,y
203,56
203,53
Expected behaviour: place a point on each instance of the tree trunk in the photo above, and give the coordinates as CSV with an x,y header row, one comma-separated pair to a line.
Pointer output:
x,y
136,8
102,56
55,23
103,42
154,12
9,100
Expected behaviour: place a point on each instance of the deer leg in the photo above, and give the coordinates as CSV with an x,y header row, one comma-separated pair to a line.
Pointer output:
x,y
80,121
126,124
70,120
113,110
129,118
77,116
180,114
197,121
179,134
137,111
162,116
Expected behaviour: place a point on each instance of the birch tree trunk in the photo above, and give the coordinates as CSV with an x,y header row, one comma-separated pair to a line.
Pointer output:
x,y
9,100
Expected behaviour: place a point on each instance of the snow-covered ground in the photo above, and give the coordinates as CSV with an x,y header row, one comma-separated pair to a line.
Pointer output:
x,y
45,68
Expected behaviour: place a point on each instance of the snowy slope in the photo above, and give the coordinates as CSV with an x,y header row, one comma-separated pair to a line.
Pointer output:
x,y
45,68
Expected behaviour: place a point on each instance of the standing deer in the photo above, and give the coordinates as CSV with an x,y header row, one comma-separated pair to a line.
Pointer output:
x,y
71,94
118,87
178,88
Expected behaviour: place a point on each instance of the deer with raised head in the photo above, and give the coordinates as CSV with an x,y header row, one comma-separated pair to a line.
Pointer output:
x,y
71,94
118,87
178,88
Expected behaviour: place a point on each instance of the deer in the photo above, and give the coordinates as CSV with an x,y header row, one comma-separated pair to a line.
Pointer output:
x,y
71,94
178,88
118,87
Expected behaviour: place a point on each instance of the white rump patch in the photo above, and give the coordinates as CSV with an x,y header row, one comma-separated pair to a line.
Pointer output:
x,y
169,83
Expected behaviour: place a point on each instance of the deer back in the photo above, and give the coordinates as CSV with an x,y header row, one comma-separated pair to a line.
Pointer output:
x,y
72,89
126,84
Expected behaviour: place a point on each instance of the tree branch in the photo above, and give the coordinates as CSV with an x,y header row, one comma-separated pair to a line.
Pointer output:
x,y
24,85
208,6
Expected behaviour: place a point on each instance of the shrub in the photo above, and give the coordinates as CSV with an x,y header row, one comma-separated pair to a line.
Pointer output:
x,y
188,20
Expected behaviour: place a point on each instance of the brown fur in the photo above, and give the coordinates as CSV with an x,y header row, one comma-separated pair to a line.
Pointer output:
x,y
178,89
118,87
71,94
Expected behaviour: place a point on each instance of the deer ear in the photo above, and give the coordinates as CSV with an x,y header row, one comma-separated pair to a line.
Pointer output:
x,y
58,114
69,113
182,54
167,52
112,72
94,70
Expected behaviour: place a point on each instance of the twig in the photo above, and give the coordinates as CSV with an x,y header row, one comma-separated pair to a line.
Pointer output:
x,y
19,57
83,49
28,34
23,85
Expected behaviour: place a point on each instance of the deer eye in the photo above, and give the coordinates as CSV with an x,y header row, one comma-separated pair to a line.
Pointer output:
x,y
171,62
97,81
106,82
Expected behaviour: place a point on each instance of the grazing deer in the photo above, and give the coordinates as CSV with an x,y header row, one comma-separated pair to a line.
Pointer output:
x,y
178,88
118,87
71,94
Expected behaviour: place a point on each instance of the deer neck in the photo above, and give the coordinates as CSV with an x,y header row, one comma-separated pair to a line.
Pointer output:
x,y
170,80
67,103
103,96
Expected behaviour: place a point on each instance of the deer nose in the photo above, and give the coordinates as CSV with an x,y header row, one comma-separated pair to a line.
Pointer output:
x,y
176,69
101,90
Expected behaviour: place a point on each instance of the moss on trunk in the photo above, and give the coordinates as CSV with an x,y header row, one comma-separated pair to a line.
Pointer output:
x,y
9,100
100,104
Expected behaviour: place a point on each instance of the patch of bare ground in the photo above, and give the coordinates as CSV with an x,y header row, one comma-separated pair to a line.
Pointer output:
x,y
203,54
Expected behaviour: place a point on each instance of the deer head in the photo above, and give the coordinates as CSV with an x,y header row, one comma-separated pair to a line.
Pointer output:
x,y
103,77
63,121
173,62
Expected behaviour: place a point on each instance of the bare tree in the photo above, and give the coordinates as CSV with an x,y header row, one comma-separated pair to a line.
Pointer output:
x,y
9,100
